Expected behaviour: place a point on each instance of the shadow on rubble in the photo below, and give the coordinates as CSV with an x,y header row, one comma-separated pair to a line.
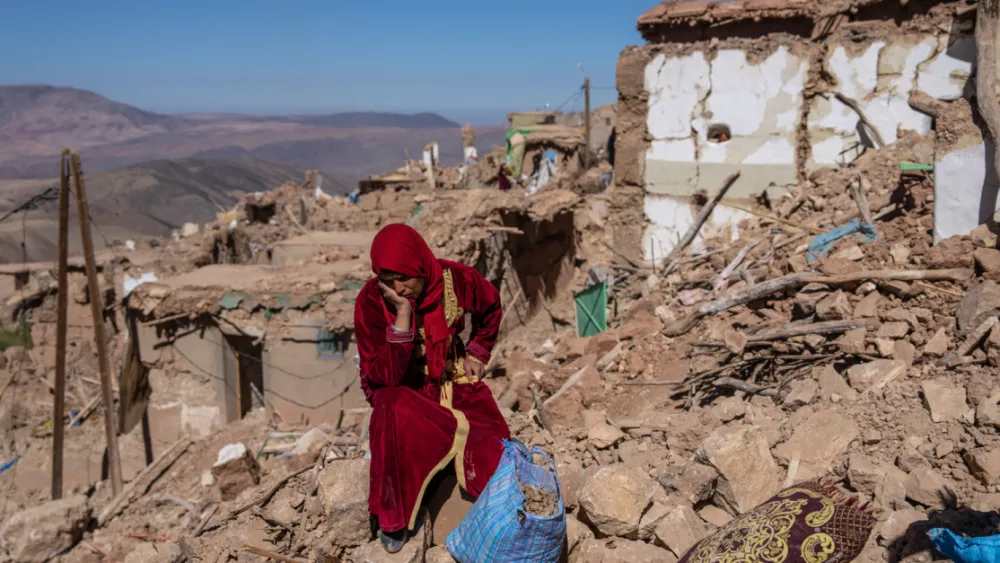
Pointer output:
x,y
961,520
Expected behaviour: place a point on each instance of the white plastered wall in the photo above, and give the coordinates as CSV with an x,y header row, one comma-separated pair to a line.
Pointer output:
x,y
880,76
761,105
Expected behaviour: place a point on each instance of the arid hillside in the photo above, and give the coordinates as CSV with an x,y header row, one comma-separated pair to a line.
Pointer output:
x,y
37,121
146,199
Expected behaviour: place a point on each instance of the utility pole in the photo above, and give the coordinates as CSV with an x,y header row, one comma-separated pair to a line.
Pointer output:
x,y
58,429
586,121
97,310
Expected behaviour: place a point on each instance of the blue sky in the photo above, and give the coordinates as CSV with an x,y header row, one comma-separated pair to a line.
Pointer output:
x,y
466,60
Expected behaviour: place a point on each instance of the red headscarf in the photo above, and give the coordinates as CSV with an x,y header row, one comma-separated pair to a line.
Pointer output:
x,y
401,249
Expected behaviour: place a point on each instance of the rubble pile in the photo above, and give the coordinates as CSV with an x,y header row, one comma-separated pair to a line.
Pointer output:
x,y
740,365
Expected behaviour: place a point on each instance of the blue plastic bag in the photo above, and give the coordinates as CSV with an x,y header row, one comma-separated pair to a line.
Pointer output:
x,y
497,528
821,244
965,550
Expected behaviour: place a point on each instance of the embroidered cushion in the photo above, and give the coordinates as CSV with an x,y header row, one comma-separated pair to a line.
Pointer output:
x,y
808,523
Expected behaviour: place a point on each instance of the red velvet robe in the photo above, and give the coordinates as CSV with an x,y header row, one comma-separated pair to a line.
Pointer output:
x,y
420,424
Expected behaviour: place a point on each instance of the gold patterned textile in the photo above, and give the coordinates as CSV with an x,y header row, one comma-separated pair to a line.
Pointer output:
x,y
808,523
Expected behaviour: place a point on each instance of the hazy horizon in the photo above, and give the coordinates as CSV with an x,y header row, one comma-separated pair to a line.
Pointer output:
x,y
468,63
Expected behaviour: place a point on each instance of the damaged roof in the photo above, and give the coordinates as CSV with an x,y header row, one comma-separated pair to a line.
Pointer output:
x,y
207,289
562,136
692,13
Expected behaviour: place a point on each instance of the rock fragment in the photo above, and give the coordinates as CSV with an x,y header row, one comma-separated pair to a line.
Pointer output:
x,y
618,550
39,533
875,374
819,443
680,529
748,474
614,499
945,400
235,471
343,492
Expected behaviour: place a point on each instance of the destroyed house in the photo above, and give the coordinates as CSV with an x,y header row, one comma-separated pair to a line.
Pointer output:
x,y
225,339
778,90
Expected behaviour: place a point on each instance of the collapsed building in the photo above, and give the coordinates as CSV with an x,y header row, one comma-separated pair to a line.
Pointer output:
x,y
780,91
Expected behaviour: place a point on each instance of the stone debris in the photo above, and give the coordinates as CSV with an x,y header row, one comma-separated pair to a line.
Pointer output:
x,y
40,533
343,494
539,502
618,550
945,400
438,554
937,346
985,465
702,398
748,474
875,375
819,443
166,552
680,529
615,498
927,487
235,471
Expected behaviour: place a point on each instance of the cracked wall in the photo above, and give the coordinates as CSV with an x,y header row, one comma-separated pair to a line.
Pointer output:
x,y
774,95
756,97
880,76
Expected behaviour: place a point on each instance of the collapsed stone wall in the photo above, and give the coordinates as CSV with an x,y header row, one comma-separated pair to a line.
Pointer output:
x,y
775,107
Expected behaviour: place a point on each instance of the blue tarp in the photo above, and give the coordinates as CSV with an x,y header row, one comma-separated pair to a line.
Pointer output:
x,y
966,550
821,244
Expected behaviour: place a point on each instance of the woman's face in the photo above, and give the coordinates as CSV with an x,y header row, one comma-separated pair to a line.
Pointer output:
x,y
405,286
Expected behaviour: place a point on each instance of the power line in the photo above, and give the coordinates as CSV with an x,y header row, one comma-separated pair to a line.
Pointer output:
x,y
51,194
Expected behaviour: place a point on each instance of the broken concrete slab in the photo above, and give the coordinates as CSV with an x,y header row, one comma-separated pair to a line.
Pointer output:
x,y
614,499
748,474
343,492
680,530
40,533
875,374
617,550
819,443
945,400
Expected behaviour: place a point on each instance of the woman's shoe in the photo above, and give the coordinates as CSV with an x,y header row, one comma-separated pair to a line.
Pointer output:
x,y
392,541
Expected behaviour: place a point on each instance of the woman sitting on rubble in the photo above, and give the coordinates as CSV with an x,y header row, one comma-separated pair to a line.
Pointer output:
x,y
429,407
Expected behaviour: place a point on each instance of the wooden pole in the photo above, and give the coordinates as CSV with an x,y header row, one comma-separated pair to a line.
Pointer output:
x,y
586,121
59,408
692,233
96,308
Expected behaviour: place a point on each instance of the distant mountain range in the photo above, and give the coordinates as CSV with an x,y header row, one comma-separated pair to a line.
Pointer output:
x,y
148,173
37,121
